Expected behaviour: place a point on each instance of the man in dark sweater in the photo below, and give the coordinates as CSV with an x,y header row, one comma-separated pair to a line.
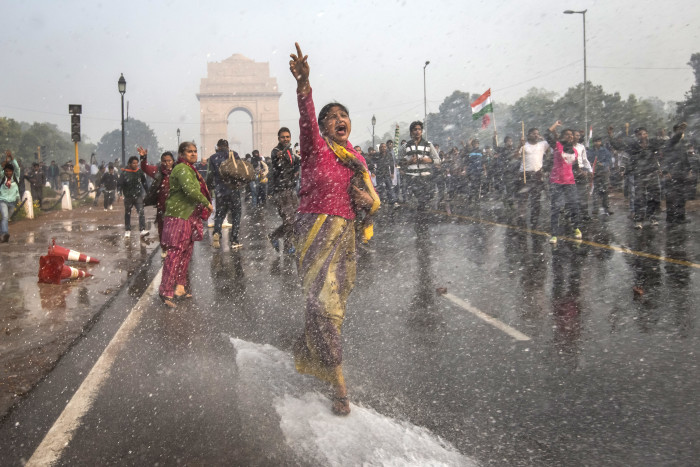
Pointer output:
x,y
37,180
383,167
133,184
109,183
284,172
678,173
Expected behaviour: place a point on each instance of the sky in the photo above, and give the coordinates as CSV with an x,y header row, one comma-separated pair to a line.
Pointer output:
x,y
368,55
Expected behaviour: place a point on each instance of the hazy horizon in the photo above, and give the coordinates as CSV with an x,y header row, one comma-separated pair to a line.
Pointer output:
x,y
368,55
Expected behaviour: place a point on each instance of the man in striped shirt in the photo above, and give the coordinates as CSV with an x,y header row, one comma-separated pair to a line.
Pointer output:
x,y
419,159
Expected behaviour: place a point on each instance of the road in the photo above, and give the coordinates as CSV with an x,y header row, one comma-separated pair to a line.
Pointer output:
x,y
533,355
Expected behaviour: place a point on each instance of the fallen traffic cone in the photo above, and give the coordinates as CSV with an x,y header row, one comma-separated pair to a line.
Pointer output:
x,y
70,255
52,270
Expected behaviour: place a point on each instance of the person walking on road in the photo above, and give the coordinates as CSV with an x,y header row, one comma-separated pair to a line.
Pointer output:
x,y
37,180
109,183
325,231
562,184
284,172
160,187
228,197
9,194
133,184
678,173
419,160
188,204
602,166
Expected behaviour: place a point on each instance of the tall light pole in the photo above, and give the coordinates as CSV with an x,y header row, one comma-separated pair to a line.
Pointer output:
x,y
121,84
585,79
178,138
425,100
374,122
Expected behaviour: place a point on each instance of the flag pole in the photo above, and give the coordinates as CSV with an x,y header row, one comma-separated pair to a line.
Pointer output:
x,y
493,112
522,150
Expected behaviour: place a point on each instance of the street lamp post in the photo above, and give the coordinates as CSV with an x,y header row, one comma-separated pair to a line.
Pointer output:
x,y
374,122
121,84
178,138
585,79
425,100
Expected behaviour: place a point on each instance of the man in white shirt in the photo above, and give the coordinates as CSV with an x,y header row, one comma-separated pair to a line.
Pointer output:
x,y
583,173
533,151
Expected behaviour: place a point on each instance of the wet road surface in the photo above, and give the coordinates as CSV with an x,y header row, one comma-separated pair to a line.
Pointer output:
x,y
603,375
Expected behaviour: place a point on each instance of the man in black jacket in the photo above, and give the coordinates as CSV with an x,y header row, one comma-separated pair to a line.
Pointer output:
x,y
645,165
284,172
383,168
37,180
678,173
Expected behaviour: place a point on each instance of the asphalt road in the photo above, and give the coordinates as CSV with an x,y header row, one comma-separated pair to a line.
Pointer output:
x,y
533,355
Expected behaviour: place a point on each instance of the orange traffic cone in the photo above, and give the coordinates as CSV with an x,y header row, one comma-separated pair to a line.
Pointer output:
x,y
70,255
52,270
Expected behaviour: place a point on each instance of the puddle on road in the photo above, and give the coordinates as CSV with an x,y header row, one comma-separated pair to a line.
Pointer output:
x,y
365,437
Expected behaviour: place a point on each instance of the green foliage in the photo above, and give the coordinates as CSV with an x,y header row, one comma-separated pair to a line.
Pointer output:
x,y
10,135
136,133
23,139
540,108
689,110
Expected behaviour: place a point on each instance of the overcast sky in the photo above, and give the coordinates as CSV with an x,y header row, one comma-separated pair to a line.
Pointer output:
x,y
366,54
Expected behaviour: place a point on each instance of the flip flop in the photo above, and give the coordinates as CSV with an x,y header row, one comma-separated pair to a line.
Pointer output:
x,y
168,301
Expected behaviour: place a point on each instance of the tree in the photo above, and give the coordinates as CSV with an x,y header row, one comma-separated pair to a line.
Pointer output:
x,y
136,133
10,135
689,110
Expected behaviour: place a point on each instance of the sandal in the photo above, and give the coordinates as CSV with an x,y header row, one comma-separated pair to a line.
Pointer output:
x,y
168,301
184,296
341,406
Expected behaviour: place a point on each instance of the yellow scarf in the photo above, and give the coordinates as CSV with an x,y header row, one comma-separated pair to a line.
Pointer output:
x,y
349,160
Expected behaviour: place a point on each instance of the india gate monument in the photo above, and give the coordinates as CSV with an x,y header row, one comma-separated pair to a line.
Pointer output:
x,y
238,83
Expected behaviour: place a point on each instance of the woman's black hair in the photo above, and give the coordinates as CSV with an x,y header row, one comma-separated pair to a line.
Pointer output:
x,y
327,108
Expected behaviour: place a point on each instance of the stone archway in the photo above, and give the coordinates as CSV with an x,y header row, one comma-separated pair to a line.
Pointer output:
x,y
238,83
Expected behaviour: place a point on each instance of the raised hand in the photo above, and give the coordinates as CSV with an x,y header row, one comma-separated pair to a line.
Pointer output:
x,y
300,69
142,152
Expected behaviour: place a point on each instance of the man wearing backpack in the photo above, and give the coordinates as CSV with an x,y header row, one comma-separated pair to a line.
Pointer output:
x,y
228,196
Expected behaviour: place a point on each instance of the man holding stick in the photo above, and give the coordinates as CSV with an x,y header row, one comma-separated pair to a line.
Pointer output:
x,y
532,184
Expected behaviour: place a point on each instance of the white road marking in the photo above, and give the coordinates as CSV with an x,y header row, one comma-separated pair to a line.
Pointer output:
x,y
61,433
514,333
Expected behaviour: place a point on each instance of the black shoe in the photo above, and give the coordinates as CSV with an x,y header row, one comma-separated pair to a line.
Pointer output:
x,y
5,238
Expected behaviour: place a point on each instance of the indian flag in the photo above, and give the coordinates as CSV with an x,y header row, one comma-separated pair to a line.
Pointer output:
x,y
482,105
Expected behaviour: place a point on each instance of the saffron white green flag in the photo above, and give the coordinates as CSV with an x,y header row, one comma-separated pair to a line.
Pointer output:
x,y
482,106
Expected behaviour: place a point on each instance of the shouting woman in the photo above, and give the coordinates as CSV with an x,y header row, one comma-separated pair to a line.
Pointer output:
x,y
334,186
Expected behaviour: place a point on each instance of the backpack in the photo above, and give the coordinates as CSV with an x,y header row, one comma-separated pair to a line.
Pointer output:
x,y
151,198
236,172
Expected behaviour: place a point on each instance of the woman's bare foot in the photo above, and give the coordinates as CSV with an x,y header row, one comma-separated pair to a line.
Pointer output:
x,y
340,403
